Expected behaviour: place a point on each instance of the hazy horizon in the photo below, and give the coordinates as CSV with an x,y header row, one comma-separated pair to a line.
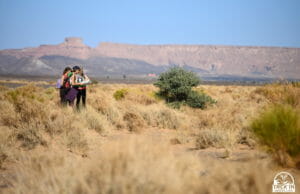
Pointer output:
x,y
141,44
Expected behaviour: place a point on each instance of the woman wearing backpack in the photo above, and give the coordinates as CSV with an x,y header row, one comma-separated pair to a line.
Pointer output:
x,y
65,85
80,80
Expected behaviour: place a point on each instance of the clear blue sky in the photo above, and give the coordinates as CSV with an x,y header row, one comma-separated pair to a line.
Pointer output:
x,y
25,23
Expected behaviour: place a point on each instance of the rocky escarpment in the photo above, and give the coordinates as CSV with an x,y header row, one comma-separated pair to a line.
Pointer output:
x,y
231,60
274,62
71,47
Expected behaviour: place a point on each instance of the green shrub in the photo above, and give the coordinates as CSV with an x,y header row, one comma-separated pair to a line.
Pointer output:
x,y
279,129
199,100
120,94
175,86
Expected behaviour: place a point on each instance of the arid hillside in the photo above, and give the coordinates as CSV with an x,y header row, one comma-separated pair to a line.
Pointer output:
x,y
110,58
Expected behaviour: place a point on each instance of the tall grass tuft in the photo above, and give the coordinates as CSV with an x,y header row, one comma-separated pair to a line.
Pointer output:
x,y
279,129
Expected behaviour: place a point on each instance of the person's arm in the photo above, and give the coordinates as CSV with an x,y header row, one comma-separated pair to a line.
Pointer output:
x,y
62,80
86,78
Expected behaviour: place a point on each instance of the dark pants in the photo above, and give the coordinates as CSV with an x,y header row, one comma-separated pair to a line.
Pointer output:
x,y
81,95
62,93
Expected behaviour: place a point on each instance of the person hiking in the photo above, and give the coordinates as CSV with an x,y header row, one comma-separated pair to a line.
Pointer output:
x,y
72,93
82,80
65,85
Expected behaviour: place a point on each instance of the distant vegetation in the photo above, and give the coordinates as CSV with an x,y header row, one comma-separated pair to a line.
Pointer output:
x,y
176,87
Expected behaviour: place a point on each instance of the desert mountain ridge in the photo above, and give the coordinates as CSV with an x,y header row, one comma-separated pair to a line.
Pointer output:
x,y
116,58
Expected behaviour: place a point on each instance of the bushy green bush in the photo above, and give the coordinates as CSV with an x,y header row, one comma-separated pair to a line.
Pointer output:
x,y
120,94
199,100
175,86
279,129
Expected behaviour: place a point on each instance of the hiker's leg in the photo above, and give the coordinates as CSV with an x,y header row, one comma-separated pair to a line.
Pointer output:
x,y
83,96
64,92
62,95
78,98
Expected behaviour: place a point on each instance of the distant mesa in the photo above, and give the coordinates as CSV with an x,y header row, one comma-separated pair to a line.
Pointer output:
x,y
74,40
206,60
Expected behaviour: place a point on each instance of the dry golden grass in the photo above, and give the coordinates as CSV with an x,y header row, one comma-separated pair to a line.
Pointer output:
x,y
137,165
133,145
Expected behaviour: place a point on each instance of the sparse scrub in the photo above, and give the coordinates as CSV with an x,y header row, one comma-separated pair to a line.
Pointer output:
x,y
30,136
140,98
28,92
281,93
5,136
96,121
119,162
215,138
163,117
75,139
8,116
279,129
135,123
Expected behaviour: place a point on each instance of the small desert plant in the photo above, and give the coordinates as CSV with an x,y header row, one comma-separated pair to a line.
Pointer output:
x,y
96,121
279,129
212,138
5,135
135,123
75,140
30,137
120,94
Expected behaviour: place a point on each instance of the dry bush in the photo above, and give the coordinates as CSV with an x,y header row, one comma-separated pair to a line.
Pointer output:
x,y
106,105
30,136
215,138
159,115
96,121
30,111
59,120
5,141
140,98
75,140
281,93
8,115
135,122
